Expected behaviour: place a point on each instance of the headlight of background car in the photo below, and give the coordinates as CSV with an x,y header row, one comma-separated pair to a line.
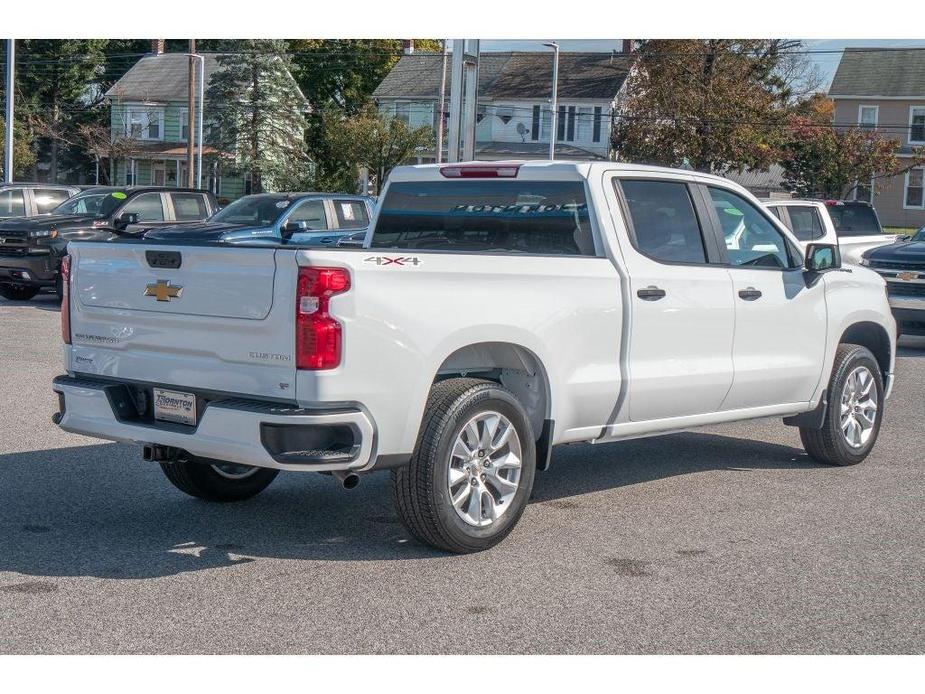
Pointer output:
x,y
43,234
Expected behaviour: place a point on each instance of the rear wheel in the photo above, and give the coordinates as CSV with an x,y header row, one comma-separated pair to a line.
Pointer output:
x,y
216,480
17,292
855,410
472,470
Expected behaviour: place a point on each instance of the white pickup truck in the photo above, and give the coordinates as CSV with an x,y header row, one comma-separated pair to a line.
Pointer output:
x,y
852,225
495,311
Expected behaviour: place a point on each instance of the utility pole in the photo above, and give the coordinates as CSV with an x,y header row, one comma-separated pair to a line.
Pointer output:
x,y
190,116
10,79
554,125
442,109
470,115
458,76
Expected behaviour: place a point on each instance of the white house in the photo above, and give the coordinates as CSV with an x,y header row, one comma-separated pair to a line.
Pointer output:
x,y
515,90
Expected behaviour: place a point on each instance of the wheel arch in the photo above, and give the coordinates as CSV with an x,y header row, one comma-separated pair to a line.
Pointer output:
x,y
874,337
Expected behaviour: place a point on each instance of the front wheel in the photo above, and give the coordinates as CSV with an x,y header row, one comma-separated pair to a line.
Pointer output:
x,y
855,410
472,470
15,292
215,480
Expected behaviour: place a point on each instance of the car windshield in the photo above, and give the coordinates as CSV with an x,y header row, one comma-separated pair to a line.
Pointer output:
x,y
92,203
854,219
919,235
257,210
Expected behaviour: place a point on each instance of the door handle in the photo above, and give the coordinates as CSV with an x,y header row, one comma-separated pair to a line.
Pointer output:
x,y
749,294
651,293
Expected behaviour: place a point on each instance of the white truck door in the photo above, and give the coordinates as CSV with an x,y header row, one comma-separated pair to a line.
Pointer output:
x,y
679,359
780,318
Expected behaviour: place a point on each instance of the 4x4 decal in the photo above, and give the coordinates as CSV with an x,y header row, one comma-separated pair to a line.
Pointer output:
x,y
393,260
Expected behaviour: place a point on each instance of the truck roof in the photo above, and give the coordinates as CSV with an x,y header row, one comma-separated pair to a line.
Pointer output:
x,y
539,170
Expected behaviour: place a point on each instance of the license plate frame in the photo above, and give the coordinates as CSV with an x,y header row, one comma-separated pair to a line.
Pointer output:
x,y
174,406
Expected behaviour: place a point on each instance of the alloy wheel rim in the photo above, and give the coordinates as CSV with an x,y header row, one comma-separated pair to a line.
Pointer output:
x,y
858,407
234,471
485,468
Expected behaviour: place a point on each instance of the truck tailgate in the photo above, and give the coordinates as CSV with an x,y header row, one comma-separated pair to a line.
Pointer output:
x,y
187,316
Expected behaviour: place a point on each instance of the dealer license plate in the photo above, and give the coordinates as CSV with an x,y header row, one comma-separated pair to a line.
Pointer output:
x,y
173,406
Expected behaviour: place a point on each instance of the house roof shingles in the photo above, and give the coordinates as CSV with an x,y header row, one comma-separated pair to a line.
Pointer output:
x,y
880,72
512,76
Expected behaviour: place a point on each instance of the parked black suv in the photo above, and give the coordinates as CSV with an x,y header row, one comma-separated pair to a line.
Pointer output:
x,y
30,199
31,249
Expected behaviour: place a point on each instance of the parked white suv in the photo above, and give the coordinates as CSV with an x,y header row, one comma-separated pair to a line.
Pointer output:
x,y
495,311
852,225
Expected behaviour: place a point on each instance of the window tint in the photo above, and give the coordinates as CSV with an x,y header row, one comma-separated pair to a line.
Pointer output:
x,y
664,222
805,223
311,212
751,239
351,214
47,199
147,206
492,216
189,207
776,212
12,203
852,219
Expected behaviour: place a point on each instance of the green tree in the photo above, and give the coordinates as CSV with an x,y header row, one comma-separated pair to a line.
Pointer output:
x,y
821,160
342,74
54,84
714,104
258,115
23,156
376,142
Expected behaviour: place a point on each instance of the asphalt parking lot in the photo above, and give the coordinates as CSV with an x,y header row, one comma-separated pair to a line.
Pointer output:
x,y
724,540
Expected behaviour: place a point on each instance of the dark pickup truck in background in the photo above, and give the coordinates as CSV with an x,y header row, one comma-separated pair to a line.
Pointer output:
x,y
902,265
31,248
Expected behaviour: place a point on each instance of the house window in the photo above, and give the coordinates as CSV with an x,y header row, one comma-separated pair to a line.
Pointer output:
x,y
864,191
913,192
546,124
144,123
583,124
596,131
560,124
917,125
535,123
403,111
183,115
867,116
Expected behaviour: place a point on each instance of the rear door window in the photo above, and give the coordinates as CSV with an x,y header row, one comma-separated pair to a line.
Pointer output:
x,y
47,199
12,203
805,223
351,214
189,207
665,225
487,216
147,206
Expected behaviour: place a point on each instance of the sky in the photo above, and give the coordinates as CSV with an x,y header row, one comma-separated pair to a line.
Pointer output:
x,y
827,61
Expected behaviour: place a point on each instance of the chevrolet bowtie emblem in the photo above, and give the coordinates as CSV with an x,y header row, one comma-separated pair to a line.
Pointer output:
x,y
907,276
162,290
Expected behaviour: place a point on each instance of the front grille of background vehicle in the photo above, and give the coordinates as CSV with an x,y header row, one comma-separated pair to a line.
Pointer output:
x,y
13,245
906,288
898,265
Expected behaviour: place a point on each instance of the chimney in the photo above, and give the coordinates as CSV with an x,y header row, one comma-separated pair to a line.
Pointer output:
x,y
157,46
627,46
407,46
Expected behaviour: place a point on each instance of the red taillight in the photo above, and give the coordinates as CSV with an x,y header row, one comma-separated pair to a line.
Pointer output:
x,y
317,333
66,299
480,171
834,203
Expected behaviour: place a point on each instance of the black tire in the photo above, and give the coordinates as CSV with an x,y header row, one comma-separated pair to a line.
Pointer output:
x,y
16,292
198,478
421,494
828,444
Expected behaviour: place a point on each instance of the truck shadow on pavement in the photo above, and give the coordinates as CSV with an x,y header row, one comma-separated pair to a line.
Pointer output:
x,y
100,511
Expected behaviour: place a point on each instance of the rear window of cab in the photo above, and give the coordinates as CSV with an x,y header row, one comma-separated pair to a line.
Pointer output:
x,y
495,216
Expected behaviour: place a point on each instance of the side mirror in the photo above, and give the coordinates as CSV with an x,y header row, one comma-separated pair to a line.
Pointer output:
x,y
125,219
821,257
290,228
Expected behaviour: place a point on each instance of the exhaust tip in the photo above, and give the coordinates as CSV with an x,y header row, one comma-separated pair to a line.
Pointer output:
x,y
349,480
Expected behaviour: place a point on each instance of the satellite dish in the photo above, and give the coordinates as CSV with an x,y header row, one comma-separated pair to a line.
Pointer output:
x,y
522,131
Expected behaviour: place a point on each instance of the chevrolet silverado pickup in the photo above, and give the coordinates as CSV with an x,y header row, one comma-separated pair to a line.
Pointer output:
x,y
902,265
493,312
